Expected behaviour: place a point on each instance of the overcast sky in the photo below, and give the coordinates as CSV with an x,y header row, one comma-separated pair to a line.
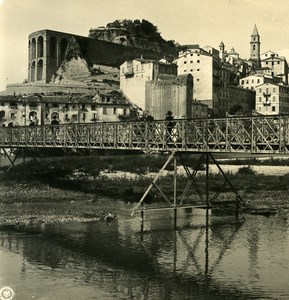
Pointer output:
x,y
204,22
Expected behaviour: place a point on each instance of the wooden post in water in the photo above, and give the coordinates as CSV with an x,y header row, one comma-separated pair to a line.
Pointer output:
x,y
175,191
207,180
142,218
237,207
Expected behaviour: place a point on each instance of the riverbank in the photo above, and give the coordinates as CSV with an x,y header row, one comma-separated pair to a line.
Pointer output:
x,y
34,204
71,189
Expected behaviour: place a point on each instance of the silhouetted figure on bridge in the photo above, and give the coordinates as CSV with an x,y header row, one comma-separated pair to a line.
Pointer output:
x,y
170,125
54,127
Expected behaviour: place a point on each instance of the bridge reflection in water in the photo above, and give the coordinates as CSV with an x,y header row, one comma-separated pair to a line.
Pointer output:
x,y
243,134
208,258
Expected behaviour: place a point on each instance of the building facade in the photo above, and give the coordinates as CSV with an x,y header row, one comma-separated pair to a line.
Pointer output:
x,y
135,73
205,70
275,65
105,106
250,82
170,95
272,99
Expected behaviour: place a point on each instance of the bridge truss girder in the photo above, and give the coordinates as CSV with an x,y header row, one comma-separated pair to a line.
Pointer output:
x,y
234,134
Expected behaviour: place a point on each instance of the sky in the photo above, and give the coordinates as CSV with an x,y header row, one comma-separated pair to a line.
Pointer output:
x,y
203,22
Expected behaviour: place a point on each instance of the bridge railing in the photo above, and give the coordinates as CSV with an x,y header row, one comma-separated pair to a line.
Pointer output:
x,y
244,134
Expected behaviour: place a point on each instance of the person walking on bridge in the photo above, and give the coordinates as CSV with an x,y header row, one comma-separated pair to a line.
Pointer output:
x,y
170,125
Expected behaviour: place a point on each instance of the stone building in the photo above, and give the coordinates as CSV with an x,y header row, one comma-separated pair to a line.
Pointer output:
x,y
250,82
174,95
105,106
135,73
272,99
275,65
255,47
204,67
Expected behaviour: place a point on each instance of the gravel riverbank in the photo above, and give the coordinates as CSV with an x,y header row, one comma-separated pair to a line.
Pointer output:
x,y
34,204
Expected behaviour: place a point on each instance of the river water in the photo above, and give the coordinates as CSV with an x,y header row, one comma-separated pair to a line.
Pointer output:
x,y
208,256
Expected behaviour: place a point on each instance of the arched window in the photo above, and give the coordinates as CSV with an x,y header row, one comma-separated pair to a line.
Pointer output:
x,y
40,69
254,47
29,50
40,47
32,72
63,48
52,47
33,50
55,115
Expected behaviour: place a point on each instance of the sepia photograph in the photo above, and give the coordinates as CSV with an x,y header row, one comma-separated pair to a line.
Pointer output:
x,y
144,149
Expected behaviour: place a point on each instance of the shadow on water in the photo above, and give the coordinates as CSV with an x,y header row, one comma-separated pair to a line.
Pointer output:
x,y
204,258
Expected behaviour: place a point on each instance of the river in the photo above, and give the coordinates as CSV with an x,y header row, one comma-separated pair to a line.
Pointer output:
x,y
208,256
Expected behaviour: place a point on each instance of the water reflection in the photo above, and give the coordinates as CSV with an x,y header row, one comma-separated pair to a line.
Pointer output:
x,y
208,256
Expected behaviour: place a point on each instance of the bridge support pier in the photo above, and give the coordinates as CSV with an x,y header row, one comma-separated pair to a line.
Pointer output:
x,y
202,188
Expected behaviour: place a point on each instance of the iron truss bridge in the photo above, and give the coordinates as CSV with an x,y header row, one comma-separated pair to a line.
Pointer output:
x,y
234,134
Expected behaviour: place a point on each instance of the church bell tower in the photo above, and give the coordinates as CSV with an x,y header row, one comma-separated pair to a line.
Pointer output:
x,y
255,47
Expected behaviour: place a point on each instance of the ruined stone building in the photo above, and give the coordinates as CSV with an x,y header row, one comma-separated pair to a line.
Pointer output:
x,y
49,49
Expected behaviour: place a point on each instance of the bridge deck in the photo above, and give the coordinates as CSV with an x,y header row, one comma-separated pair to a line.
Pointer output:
x,y
243,134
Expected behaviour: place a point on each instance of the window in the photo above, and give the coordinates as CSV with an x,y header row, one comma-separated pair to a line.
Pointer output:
x,y
260,99
274,90
124,111
83,116
185,62
242,82
104,110
198,61
260,90
258,80
114,111
273,108
191,61
198,79
273,99
93,107
198,69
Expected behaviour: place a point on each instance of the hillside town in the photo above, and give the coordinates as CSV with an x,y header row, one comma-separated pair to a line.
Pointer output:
x,y
114,75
